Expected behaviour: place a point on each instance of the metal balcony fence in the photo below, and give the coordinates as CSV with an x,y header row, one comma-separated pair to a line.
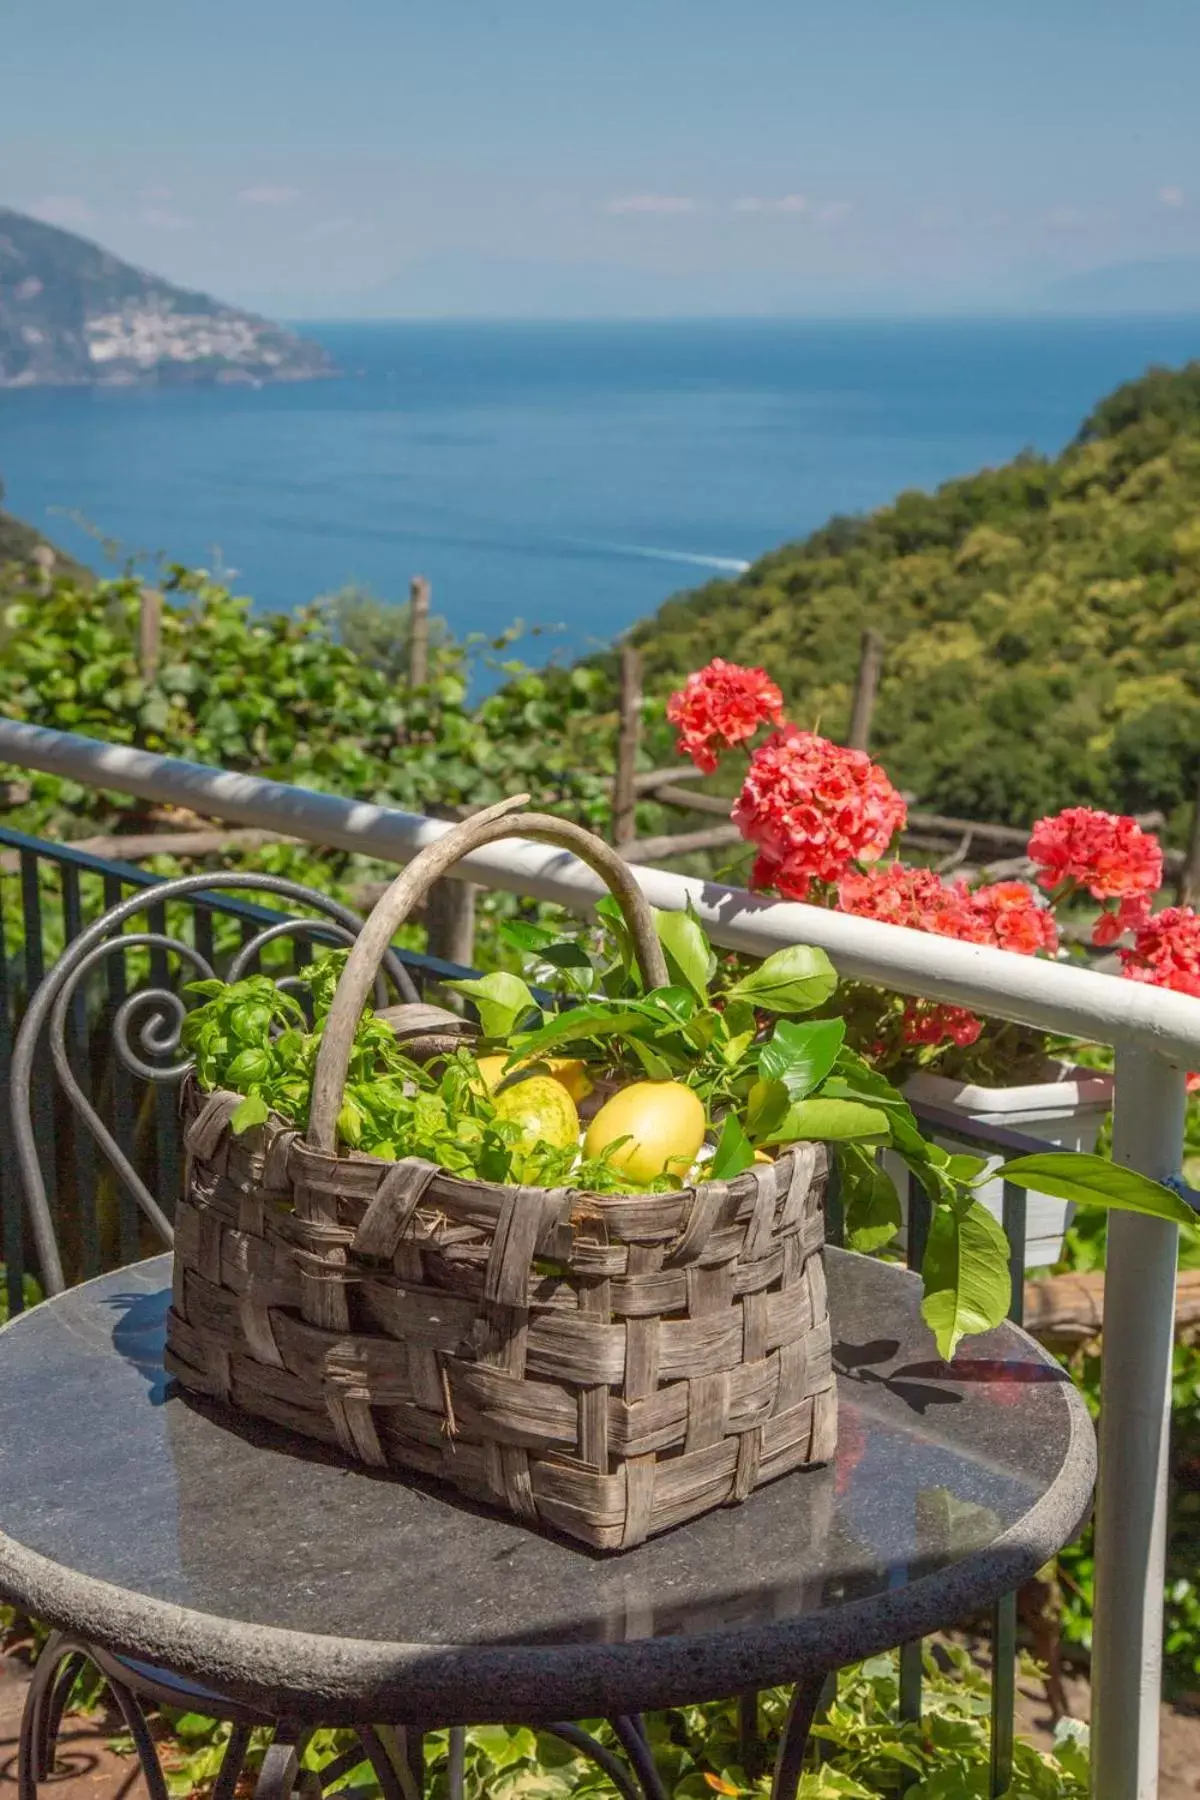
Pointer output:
x,y
1156,1036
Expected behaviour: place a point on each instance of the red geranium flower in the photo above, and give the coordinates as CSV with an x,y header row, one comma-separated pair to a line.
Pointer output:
x,y
914,897
813,808
928,1022
1130,915
1106,853
1006,915
1012,918
1166,951
723,702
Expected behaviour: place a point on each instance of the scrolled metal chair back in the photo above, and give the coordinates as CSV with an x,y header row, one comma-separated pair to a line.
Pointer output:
x,y
147,1025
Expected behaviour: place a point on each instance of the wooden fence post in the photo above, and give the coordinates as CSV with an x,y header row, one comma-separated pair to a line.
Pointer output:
x,y
149,632
866,686
450,916
418,632
624,800
1188,891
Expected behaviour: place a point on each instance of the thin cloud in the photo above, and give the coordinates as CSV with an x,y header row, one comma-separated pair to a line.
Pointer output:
x,y
1171,195
266,195
832,212
1065,218
63,209
651,203
782,203
163,218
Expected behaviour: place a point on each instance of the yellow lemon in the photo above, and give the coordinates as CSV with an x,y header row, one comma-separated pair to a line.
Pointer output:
x,y
569,1071
543,1109
663,1121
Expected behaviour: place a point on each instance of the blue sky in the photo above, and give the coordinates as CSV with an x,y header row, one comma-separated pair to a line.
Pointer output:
x,y
386,158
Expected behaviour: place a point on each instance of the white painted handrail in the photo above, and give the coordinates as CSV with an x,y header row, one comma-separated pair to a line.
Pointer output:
x,y
1157,1036
1050,996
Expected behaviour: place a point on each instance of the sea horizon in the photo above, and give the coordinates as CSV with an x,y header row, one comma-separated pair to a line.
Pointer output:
x,y
574,474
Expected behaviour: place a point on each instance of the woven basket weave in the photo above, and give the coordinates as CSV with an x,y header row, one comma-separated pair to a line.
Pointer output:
x,y
609,1365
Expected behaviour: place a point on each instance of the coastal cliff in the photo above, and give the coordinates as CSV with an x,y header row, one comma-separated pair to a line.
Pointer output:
x,y
72,314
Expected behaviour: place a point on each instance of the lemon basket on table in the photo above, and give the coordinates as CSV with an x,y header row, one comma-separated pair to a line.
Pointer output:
x,y
490,1263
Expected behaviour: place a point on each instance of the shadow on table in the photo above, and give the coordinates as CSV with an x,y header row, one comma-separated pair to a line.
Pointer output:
x,y
932,1382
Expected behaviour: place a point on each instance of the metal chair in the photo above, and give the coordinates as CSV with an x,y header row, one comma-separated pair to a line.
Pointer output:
x,y
145,1030
153,1015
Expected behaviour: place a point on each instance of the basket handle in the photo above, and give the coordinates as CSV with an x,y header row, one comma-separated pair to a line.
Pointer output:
x,y
410,888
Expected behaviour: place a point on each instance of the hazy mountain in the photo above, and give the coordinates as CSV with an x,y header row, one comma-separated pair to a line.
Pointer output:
x,y
72,313
1168,285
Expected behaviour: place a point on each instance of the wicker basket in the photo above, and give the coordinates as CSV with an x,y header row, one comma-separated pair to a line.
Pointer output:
x,y
608,1365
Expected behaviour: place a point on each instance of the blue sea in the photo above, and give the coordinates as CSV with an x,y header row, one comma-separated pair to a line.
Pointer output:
x,y
570,475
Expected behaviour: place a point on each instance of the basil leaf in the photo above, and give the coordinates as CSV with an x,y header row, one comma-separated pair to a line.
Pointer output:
x,y
252,1111
794,980
965,1272
1094,1181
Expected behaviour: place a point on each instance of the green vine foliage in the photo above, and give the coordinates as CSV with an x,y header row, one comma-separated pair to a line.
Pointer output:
x,y
859,1750
280,695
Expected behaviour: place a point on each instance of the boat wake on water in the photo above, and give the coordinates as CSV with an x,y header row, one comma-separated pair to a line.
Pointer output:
x,y
729,565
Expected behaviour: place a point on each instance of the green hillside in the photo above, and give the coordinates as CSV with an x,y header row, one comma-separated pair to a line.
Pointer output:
x,y
1042,621
19,541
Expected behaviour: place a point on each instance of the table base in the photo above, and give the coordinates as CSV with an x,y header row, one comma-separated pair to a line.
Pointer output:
x,y
394,1752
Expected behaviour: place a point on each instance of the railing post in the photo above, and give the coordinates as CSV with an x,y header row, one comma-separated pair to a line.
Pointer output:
x,y
1135,1412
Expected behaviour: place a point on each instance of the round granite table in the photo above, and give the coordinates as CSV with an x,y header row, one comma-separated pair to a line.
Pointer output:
x,y
147,1526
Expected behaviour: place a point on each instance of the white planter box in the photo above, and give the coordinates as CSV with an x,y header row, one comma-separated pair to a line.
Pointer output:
x,y
1065,1112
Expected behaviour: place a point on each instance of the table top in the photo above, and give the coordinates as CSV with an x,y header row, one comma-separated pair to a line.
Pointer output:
x,y
161,1527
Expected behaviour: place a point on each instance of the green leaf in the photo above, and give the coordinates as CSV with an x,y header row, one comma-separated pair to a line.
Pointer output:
x,y
832,1120
687,949
801,1056
965,1272
734,1150
1094,1181
870,1203
766,1108
655,1065
576,1022
525,936
677,1003
566,954
500,999
791,981
252,1111
963,1167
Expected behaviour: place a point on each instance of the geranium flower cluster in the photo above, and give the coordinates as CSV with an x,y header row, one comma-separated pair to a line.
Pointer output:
x,y
1166,951
813,808
927,1022
821,814
1107,854
723,703
1007,914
